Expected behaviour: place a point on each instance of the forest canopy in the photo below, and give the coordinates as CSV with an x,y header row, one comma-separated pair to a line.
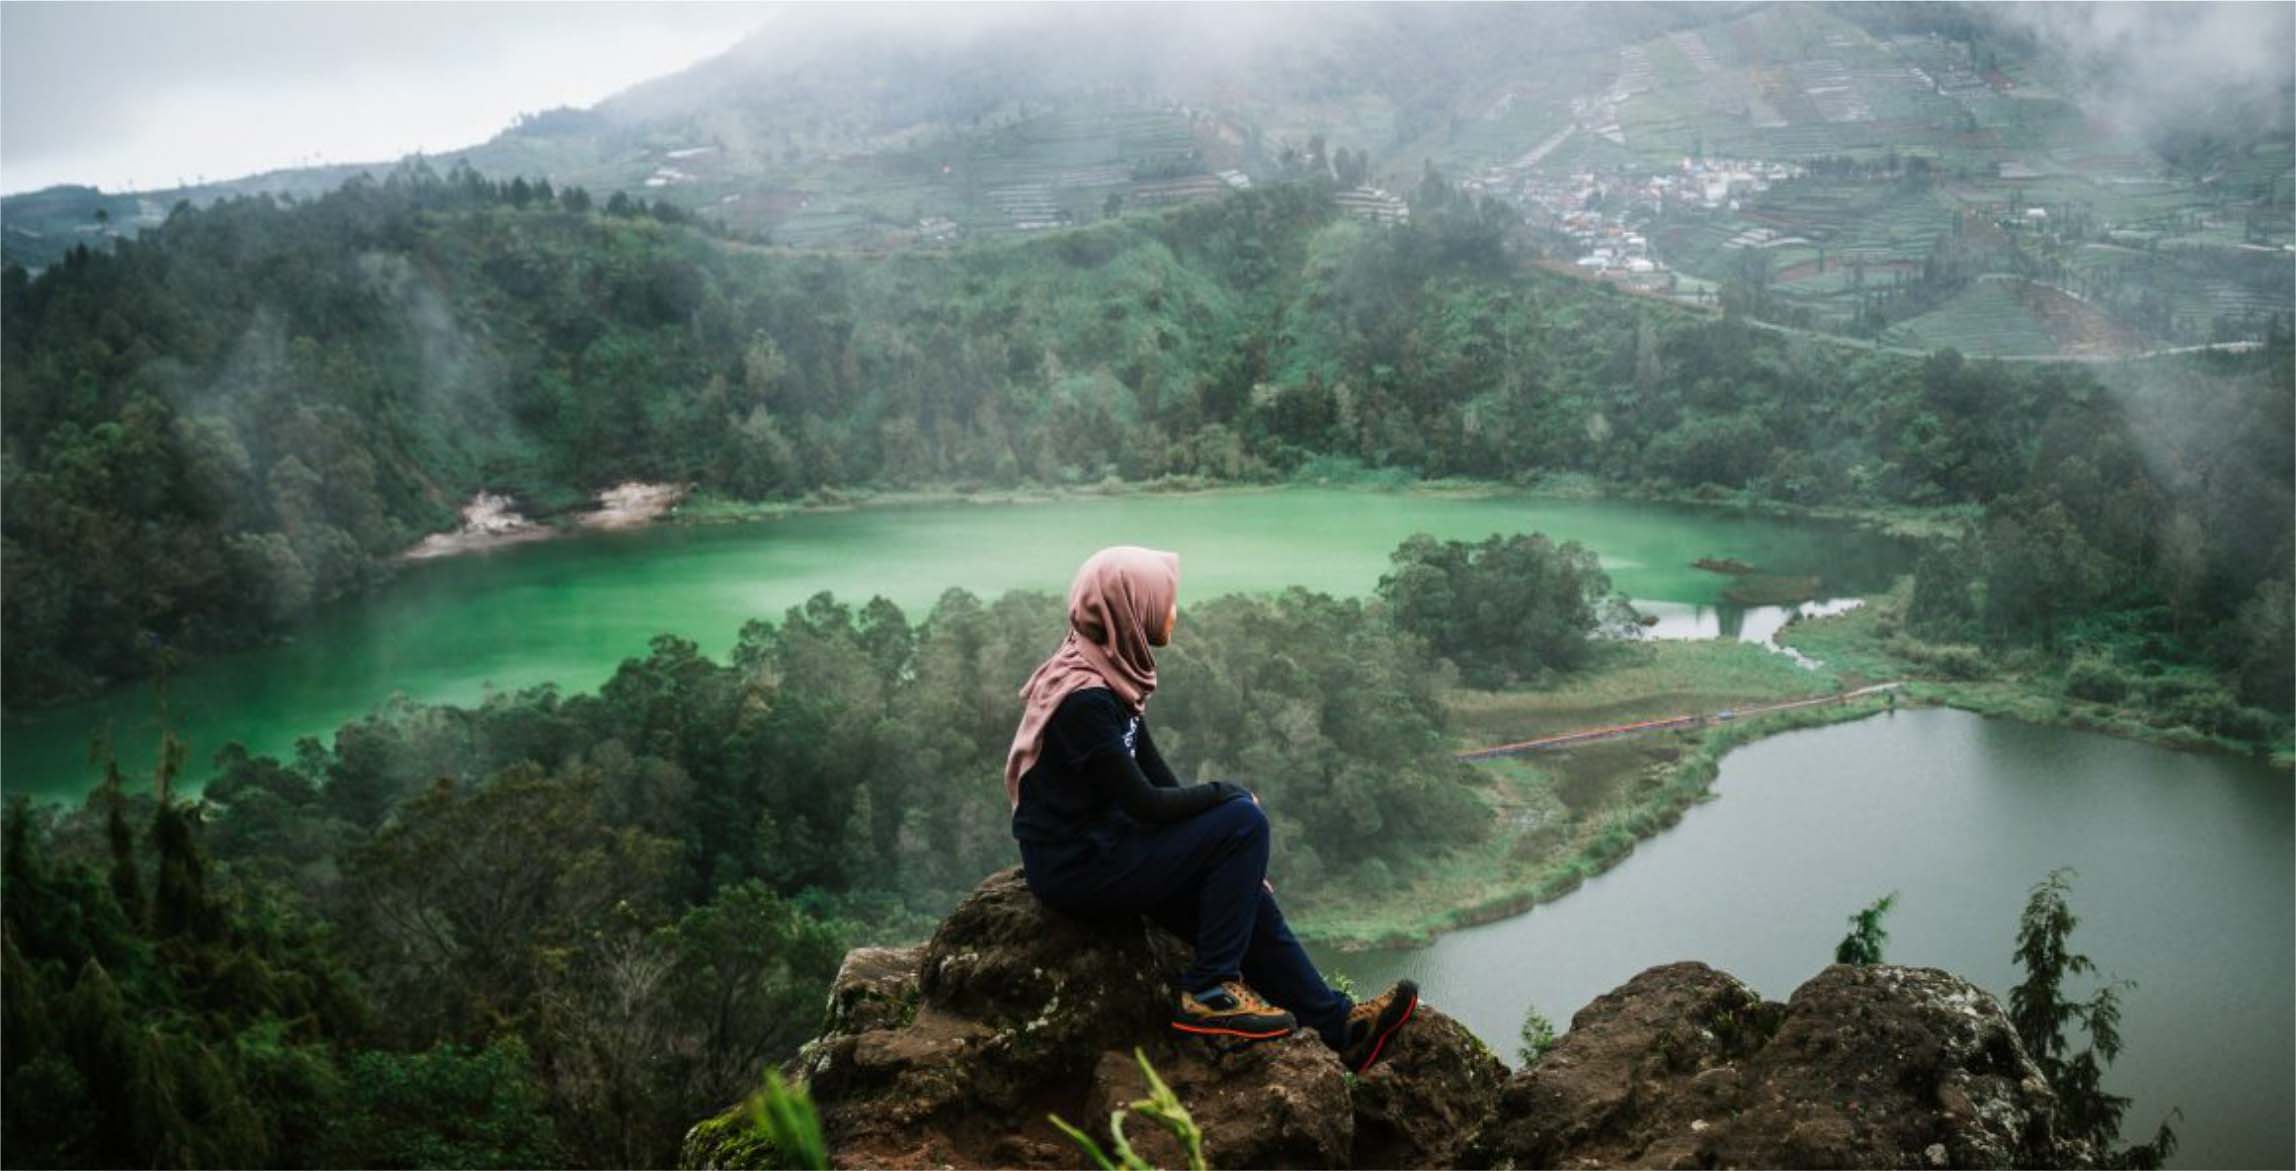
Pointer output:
x,y
542,929
246,411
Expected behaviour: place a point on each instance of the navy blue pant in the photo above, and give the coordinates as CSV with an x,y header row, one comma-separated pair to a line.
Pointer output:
x,y
1202,879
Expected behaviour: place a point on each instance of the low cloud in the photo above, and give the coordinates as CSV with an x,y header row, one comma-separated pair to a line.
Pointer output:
x,y
2167,67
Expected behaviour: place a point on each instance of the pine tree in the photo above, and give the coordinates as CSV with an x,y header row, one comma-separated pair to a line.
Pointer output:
x,y
2039,1010
1862,946
126,880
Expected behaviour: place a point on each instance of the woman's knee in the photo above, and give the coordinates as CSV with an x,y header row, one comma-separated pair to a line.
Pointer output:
x,y
1243,817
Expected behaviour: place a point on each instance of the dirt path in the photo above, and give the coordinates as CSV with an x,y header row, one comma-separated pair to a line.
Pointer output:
x,y
1614,731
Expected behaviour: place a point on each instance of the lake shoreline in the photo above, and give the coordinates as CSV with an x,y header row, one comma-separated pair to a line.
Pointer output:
x,y
1702,764
1687,781
697,507
510,600
1850,638
1897,521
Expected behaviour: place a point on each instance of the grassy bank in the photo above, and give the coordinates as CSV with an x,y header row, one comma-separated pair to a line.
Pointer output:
x,y
1868,645
1562,817
1547,845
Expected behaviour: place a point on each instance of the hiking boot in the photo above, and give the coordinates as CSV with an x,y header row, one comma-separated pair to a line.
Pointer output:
x,y
1231,1010
1372,1023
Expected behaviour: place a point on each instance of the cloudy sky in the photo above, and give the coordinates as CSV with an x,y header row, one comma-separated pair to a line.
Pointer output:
x,y
133,95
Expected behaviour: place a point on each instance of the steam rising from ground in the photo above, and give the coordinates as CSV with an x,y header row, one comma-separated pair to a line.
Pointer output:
x,y
2168,67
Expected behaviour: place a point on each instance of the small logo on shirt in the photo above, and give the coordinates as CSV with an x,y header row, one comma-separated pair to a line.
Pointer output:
x,y
1131,733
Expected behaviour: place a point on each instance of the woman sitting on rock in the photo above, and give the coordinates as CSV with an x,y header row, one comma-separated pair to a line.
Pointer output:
x,y
1105,828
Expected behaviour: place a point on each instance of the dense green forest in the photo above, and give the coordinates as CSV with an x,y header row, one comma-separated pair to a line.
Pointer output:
x,y
551,929
242,414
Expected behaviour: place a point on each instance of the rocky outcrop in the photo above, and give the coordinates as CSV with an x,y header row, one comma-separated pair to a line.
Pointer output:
x,y
954,1052
1425,1102
1684,1066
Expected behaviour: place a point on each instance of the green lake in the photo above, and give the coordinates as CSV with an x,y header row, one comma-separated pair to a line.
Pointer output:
x,y
2184,884
570,610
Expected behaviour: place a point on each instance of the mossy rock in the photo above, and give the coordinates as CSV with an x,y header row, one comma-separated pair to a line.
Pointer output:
x,y
728,1142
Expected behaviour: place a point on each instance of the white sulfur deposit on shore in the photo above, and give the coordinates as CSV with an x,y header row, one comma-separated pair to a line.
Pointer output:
x,y
489,521
632,502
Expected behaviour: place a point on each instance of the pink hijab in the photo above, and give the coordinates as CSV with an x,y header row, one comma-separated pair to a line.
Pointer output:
x,y
1120,594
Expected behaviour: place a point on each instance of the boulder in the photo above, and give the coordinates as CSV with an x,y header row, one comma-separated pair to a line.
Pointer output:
x,y
1589,1101
1427,1098
1872,1065
1684,1066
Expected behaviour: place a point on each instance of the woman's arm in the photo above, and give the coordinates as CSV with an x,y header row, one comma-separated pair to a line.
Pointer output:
x,y
1152,761
1119,776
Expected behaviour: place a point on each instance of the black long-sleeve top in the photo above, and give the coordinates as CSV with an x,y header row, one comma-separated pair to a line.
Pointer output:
x,y
1099,774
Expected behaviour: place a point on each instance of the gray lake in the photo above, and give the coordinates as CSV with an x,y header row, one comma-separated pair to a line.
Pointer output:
x,y
2184,885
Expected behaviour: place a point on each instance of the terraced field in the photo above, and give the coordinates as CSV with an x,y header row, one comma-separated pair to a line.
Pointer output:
x,y
1062,166
1037,172
1501,140
1827,242
1588,152
1988,318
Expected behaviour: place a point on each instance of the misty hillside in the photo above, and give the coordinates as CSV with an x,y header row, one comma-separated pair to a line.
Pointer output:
x,y
812,107
1926,176
296,393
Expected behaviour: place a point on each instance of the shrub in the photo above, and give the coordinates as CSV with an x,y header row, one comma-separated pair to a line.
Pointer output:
x,y
2214,711
1538,1036
1951,660
2167,689
1863,945
2096,679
